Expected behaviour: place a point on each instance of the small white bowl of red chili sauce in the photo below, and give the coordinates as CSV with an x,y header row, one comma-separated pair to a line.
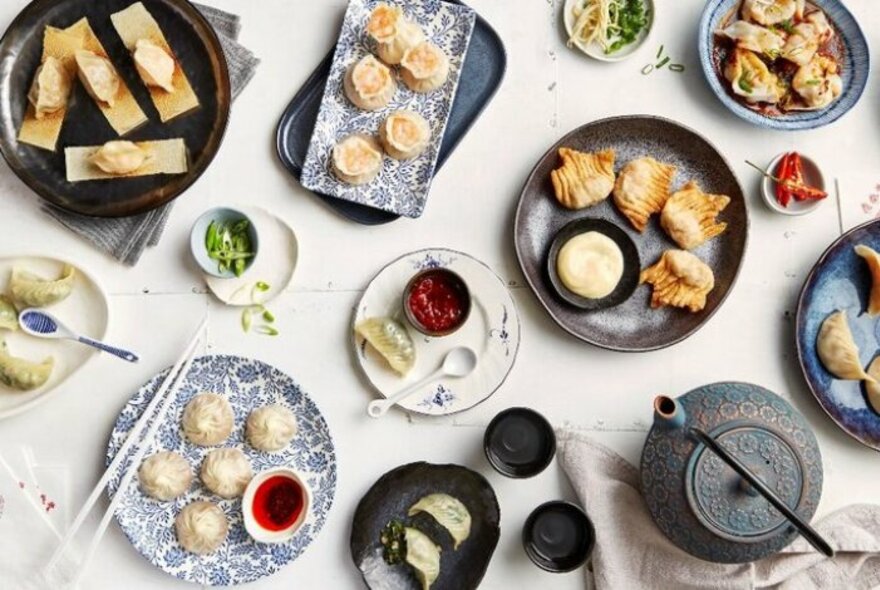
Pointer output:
x,y
275,505
793,184
437,302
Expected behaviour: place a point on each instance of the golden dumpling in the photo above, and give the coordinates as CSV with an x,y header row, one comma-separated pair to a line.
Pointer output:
x,y
872,258
369,84
689,216
404,135
837,349
751,79
154,65
425,67
357,159
98,76
642,189
120,157
50,88
393,32
872,388
583,179
680,279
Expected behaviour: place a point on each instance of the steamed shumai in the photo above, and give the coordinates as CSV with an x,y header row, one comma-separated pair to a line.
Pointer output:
x,y
642,189
872,258
680,279
583,179
690,216
369,84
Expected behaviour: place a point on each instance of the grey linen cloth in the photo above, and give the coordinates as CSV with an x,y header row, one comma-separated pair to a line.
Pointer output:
x,y
126,238
631,552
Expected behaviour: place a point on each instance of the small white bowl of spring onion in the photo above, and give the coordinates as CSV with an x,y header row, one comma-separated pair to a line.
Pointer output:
x,y
608,30
224,242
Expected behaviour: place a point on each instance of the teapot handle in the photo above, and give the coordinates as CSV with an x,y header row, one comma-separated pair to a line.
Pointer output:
x,y
808,532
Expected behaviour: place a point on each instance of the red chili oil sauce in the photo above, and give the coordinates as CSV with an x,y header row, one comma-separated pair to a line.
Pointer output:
x,y
278,503
438,302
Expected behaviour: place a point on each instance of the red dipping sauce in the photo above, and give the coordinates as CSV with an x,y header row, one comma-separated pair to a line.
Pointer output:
x,y
278,503
438,302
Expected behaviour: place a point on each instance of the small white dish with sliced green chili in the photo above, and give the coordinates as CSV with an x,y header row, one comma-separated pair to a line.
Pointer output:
x,y
608,30
224,242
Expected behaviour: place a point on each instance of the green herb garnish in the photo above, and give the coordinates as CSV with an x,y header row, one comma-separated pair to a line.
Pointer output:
x,y
663,62
229,245
787,26
628,19
256,308
676,67
393,539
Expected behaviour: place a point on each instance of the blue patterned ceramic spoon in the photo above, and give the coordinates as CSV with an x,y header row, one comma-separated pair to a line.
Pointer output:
x,y
38,323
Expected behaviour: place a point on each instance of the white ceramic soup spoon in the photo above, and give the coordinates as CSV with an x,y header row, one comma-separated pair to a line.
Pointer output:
x,y
41,324
459,362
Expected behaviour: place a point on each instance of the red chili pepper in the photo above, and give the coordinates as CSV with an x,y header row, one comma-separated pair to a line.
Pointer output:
x,y
783,173
801,190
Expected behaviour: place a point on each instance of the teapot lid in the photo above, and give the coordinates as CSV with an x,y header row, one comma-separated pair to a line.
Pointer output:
x,y
705,507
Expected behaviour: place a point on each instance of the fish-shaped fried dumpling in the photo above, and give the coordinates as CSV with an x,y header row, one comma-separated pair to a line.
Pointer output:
x,y
689,216
583,179
751,79
680,279
873,259
8,314
642,189
449,512
30,290
837,349
872,388
390,339
22,374
423,555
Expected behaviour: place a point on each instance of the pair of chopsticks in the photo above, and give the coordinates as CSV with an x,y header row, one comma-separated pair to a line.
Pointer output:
x,y
155,412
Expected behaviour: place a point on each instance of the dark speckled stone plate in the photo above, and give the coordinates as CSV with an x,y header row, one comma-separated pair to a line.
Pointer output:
x,y
841,281
391,497
632,326
198,49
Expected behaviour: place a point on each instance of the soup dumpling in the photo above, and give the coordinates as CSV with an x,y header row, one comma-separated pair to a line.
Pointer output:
x,y
201,527
226,472
425,67
357,159
271,428
98,76
50,88
404,135
393,32
369,84
207,419
165,476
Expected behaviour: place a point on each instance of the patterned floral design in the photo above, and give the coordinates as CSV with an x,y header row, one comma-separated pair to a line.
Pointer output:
x,y
402,186
441,398
248,384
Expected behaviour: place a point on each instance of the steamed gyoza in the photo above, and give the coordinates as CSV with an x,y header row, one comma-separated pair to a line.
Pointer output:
x,y
872,259
226,472
424,68
449,512
201,527
872,388
423,555
8,314
22,374
31,290
271,428
369,84
404,135
165,475
390,339
393,33
837,349
207,419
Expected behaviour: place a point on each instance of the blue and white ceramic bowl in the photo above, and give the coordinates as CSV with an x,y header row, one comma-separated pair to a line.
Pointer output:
x,y
841,281
247,384
855,69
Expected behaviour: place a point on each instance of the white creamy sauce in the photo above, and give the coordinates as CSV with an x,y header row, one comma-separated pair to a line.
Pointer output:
x,y
590,265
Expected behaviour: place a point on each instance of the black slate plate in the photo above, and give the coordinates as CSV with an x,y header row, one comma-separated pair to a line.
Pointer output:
x,y
481,76
632,326
391,497
198,49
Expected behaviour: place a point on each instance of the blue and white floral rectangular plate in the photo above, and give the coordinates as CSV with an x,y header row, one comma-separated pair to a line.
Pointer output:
x,y
402,186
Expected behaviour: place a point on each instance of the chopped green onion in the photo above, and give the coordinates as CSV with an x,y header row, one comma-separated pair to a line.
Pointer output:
x,y
647,69
663,62
246,319
268,316
229,245
659,52
266,330
676,67
262,286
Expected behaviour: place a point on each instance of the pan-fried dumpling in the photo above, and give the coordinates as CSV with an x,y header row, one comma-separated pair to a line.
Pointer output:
x,y
271,428
583,179
30,290
642,189
837,349
750,78
8,314
369,84
390,339
423,555
873,259
872,388
393,32
449,512
50,89
357,159
754,38
771,12
818,83
165,476
226,472
120,157
404,135
689,216
680,279
22,374
154,65
424,68
207,419
98,76
201,527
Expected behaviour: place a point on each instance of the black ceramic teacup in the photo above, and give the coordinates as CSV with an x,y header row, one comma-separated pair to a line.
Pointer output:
x,y
519,442
558,537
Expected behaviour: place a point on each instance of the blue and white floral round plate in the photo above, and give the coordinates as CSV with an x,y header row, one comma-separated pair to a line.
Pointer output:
x,y
247,384
492,330
841,281
856,67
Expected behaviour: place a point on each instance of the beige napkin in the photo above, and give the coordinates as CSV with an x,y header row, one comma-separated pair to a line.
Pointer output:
x,y
631,552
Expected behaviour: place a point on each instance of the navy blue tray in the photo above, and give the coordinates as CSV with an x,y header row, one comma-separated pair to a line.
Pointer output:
x,y
481,76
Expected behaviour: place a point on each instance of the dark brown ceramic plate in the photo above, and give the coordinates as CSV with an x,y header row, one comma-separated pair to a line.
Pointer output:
x,y
632,326
198,49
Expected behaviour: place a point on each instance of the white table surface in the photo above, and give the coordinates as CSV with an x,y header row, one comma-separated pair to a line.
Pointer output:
x,y
548,91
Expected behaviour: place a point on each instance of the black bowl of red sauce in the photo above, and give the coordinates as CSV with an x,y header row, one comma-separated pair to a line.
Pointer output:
x,y
276,503
437,302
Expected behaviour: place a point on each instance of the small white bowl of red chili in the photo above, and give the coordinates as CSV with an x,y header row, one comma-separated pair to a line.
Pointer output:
x,y
437,302
793,184
275,505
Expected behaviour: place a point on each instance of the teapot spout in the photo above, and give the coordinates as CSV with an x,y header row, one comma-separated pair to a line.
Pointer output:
x,y
668,413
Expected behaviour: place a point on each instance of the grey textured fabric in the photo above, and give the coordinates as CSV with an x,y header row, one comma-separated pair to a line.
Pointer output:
x,y
126,238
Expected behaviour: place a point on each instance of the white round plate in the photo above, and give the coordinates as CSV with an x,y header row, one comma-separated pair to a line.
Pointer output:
x,y
248,384
86,311
594,50
492,331
275,263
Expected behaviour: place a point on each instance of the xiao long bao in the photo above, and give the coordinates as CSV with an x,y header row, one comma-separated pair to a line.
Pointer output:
x,y
271,428
226,472
201,527
165,476
207,420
